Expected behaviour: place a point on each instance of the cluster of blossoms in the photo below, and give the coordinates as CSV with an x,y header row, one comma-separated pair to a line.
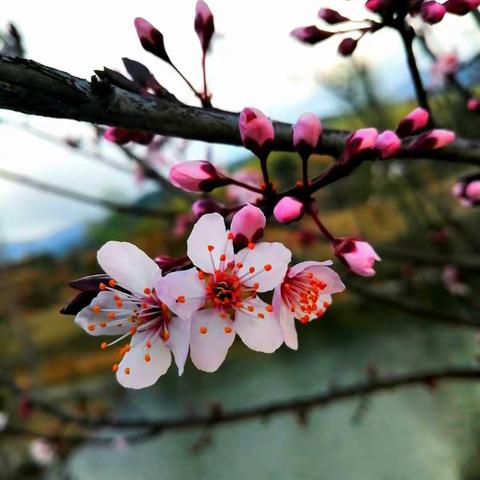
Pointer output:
x,y
391,12
202,308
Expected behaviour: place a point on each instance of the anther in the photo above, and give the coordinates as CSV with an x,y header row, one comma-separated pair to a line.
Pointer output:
x,y
96,309
201,275
239,265
203,330
115,367
104,345
269,308
181,299
102,286
230,236
147,291
147,357
112,283
223,258
267,267
133,330
260,315
251,269
91,327
103,324
227,329
111,315
210,248
250,308
251,246
127,371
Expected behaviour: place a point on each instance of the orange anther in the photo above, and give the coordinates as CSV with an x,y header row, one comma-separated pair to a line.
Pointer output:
x,y
201,275
260,315
104,346
239,265
251,246
222,258
127,371
91,327
250,308
147,357
255,285
111,315
96,309
227,329
203,330
115,367
326,304
102,286
148,344
269,308
103,324
267,267
112,283
133,330
119,304
230,236
147,291
181,299
210,248
251,269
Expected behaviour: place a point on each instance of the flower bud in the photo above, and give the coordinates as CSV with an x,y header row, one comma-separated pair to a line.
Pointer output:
x,y
432,12
461,7
151,39
473,105
206,205
197,176
377,6
332,17
467,190
307,132
166,262
347,46
204,25
122,136
247,226
413,122
310,34
288,209
256,130
360,142
359,256
433,140
388,144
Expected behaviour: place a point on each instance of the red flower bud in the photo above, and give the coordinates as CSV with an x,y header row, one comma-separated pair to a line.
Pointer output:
x,y
307,132
151,39
347,46
416,120
204,25
197,176
432,12
310,34
332,17
433,140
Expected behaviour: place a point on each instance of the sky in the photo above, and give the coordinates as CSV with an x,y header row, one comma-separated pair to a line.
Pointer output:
x,y
254,62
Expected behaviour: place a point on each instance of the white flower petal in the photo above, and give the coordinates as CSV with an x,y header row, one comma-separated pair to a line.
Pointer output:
x,y
129,266
321,272
182,291
273,256
208,350
134,371
179,341
286,319
209,231
259,334
97,324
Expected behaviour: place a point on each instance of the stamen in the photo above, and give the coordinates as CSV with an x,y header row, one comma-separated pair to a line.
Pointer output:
x,y
147,291
269,308
96,309
112,283
104,346
181,299
91,327
251,246
203,330
210,248
102,286
227,329
127,371
147,357
115,367
267,267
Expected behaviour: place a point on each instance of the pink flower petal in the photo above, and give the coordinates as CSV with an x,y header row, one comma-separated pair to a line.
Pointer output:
x,y
179,341
286,320
208,350
259,334
321,272
134,371
91,322
182,292
128,266
209,232
269,262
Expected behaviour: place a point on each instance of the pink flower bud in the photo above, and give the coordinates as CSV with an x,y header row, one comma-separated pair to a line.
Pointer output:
x,y
307,132
288,209
360,141
377,5
473,105
468,191
432,12
310,34
433,140
256,130
203,206
413,122
388,144
461,7
123,135
151,39
347,46
332,17
197,176
166,262
204,25
247,225
359,256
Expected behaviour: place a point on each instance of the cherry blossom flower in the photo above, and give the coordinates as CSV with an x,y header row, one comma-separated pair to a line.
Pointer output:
x,y
134,303
43,452
230,286
358,255
305,294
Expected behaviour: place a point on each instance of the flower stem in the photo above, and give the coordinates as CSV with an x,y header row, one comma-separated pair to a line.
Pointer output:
x,y
320,225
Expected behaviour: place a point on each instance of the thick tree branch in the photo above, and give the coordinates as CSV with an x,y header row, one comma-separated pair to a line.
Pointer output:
x,y
32,88
300,406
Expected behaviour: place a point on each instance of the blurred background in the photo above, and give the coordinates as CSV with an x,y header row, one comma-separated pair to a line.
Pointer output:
x,y
403,319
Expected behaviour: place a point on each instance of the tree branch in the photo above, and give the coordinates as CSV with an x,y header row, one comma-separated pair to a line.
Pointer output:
x,y
81,197
301,406
32,88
